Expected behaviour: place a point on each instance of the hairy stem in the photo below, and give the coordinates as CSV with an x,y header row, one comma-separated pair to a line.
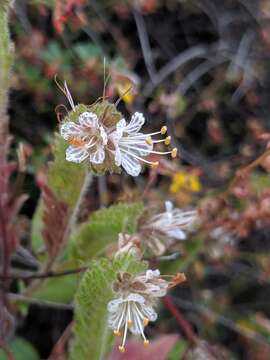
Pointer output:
x,y
6,61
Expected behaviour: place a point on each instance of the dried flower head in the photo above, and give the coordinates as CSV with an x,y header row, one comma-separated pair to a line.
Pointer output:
x,y
128,244
162,230
134,308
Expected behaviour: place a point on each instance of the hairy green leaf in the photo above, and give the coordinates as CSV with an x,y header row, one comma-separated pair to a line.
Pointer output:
x,y
103,227
21,350
93,339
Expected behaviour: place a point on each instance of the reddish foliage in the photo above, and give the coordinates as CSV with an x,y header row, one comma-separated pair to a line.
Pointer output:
x,y
10,227
10,234
63,11
158,349
55,220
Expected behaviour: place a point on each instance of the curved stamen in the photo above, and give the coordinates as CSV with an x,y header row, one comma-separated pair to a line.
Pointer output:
x,y
173,152
140,158
121,318
122,347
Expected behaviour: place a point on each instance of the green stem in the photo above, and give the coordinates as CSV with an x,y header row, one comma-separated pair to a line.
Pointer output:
x,y
6,62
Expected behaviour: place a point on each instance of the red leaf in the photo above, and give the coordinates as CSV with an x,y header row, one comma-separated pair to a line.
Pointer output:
x,y
55,220
159,349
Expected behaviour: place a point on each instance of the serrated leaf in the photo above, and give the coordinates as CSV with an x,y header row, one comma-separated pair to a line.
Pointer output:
x,y
103,227
92,335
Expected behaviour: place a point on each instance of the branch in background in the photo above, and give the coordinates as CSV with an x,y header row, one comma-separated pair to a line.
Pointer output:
x,y
184,324
18,298
181,59
45,275
145,45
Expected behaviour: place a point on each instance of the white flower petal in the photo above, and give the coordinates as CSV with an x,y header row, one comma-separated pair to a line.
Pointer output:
x,y
76,154
88,119
149,312
120,126
114,304
131,165
118,157
98,156
168,206
136,122
150,274
103,135
135,297
70,129
178,234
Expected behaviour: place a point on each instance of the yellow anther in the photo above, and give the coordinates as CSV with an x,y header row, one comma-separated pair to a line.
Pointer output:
x,y
145,322
146,342
149,140
154,165
174,153
129,323
168,140
121,349
117,333
163,130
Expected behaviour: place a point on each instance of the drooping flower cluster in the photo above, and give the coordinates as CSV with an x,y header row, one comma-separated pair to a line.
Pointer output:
x,y
162,230
134,308
100,136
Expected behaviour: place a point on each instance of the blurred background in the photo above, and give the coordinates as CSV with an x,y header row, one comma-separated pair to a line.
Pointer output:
x,y
202,68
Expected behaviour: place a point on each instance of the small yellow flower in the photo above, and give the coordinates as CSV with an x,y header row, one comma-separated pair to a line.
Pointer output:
x,y
124,90
182,180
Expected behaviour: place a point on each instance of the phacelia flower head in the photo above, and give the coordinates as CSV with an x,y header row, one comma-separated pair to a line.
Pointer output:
x,y
134,307
98,136
87,130
162,230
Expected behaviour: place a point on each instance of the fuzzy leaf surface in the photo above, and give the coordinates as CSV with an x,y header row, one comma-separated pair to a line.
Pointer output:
x,y
93,339
102,229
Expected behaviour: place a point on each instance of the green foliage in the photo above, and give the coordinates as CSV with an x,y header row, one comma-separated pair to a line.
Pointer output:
x,y
87,51
59,289
65,178
178,351
21,350
6,57
103,227
92,335
36,229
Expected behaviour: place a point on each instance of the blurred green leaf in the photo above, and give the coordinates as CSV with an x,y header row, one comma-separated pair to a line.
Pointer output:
x,y
21,350
87,51
178,351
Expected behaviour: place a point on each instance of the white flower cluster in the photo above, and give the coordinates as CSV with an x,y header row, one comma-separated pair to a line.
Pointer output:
x,y
134,308
160,231
89,139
